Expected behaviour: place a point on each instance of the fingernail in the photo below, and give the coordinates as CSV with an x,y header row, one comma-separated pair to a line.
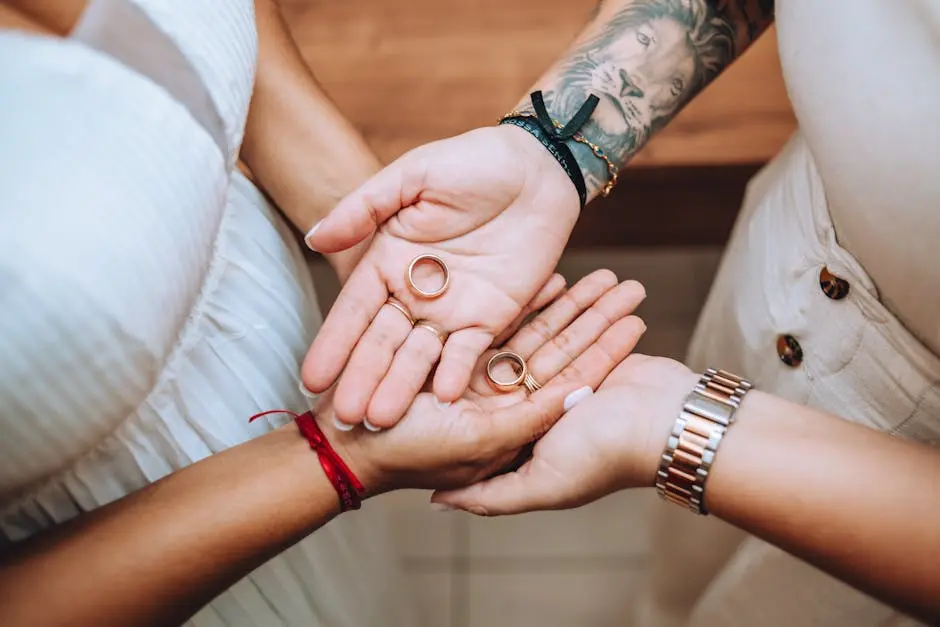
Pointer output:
x,y
442,507
371,427
478,510
310,234
441,404
577,396
305,391
342,426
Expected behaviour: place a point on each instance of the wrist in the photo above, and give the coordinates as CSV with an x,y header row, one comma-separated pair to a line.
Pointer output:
x,y
543,169
676,387
694,443
352,449
597,169
648,402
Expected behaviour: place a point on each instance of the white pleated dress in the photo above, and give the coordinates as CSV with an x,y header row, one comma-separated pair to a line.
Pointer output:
x,y
150,299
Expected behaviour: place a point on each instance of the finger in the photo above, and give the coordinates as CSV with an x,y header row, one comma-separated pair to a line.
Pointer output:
x,y
405,378
460,356
565,347
532,487
549,292
369,364
352,313
511,428
357,215
600,359
548,324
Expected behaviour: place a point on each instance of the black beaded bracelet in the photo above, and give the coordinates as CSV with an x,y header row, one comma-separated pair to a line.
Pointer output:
x,y
553,138
558,149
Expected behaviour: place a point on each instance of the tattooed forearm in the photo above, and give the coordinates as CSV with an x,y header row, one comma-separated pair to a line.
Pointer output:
x,y
645,59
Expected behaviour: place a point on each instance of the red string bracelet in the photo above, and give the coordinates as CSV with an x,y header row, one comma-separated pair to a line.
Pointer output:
x,y
347,486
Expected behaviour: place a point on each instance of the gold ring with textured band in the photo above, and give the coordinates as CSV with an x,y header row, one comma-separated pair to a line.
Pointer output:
x,y
410,276
519,366
530,383
428,326
400,306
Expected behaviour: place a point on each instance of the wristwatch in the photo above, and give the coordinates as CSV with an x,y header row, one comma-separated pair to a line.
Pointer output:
x,y
707,413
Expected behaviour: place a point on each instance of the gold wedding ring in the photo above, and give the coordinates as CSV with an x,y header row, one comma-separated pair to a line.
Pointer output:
x,y
429,326
410,276
400,306
523,376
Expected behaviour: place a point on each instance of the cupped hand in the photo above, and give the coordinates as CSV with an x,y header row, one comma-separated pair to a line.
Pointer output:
x,y
497,208
610,441
570,348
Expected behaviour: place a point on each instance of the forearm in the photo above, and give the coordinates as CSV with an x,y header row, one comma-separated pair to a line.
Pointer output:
x,y
644,59
299,147
156,557
854,502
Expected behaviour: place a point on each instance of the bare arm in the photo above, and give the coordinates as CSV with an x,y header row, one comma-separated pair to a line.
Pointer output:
x,y
157,556
854,502
645,59
299,147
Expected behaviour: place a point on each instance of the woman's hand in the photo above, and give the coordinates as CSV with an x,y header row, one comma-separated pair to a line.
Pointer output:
x,y
496,207
611,441
570,348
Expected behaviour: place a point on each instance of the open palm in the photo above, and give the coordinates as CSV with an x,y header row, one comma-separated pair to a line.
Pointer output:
x,y
496,208
573,344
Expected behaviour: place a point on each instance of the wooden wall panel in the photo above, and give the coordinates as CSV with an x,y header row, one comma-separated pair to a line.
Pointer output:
x,y
410,71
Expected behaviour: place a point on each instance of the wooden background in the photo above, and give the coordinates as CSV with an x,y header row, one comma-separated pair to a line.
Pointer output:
x,y
410,71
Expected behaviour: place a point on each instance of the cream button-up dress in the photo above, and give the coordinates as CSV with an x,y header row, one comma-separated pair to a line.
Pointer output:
x,y
828,295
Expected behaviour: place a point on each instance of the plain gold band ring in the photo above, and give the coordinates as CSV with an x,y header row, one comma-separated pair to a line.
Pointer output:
x,y
410,276
428,326
400,306
519,365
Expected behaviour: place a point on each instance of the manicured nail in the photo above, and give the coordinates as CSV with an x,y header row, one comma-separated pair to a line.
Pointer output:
x,y
577,396
310,234
371,427
306,392
342,426
442,507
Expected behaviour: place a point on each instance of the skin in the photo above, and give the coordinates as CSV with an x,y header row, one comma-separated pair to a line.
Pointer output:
x,y
129,563
634,56
479,199
645,61
774,476
300,149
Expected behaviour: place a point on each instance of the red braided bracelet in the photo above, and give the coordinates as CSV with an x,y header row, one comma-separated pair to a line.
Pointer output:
x,y
347,486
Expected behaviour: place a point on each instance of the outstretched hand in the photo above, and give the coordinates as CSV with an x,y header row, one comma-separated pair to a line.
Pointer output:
x,y
496,208
611,441
570,348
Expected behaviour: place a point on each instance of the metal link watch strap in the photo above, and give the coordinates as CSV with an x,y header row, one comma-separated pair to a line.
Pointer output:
x,y
707,413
